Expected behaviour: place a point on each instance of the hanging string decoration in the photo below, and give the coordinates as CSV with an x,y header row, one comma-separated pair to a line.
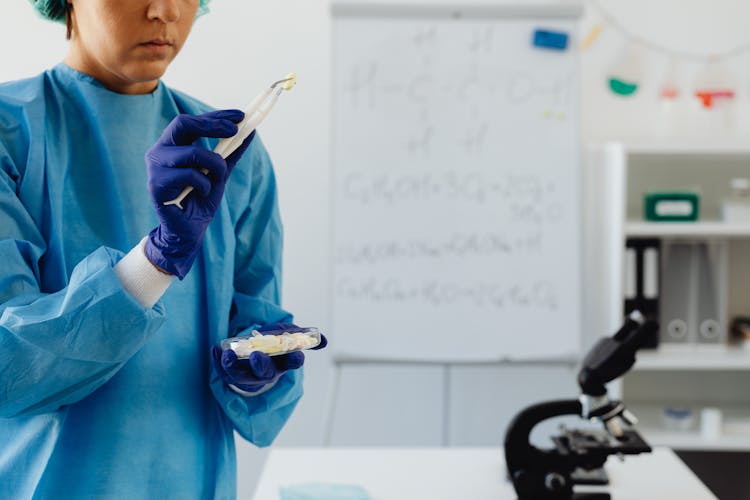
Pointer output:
x,y
714,83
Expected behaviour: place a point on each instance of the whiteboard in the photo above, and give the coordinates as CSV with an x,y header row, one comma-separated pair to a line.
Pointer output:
x,y
456,210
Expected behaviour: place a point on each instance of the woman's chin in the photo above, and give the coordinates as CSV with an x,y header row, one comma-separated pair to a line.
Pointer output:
x,y
148,72
137,79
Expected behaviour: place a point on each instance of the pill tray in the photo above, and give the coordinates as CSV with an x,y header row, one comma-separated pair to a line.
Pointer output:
x,y
273,342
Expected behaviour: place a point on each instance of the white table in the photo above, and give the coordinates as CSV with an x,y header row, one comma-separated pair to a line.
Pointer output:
x,y
455,473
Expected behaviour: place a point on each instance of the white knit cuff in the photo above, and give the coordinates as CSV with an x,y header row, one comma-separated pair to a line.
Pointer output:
x,y
141,278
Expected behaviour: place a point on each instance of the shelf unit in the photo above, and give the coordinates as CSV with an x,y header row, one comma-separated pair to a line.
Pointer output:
x,y
676,148
687,375
700,229
734,437
694,357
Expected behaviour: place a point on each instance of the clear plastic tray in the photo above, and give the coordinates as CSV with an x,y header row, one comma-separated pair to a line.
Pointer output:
x,y
273,342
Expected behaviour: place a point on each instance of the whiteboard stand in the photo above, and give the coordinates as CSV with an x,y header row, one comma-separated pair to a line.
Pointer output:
x,y
404,10
340,361
433,104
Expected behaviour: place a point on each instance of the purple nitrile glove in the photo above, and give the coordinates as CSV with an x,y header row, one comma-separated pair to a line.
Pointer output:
x,y
173,163
251,374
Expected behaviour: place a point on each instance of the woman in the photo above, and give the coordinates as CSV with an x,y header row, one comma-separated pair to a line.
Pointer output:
x,y
108,384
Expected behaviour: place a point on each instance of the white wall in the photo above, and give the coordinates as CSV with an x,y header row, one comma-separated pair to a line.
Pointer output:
x,y
242,45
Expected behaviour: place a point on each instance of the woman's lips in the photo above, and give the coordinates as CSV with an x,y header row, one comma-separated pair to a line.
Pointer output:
x,y
158,46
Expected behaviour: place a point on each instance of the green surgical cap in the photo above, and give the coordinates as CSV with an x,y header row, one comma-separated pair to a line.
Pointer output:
x,y
55,9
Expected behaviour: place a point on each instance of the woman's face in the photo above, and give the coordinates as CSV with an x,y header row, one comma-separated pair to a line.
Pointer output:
x,y
128,44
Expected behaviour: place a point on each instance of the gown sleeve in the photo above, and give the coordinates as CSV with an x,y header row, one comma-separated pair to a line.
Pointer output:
x,y
256,300
57,347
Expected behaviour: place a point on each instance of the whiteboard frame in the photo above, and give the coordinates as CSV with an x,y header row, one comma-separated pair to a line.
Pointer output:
x,y
349,9
456,11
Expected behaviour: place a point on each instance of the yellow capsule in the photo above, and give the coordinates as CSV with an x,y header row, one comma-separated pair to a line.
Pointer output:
x,y
291,82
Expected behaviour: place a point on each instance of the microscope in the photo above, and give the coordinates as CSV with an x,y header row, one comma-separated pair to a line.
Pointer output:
x,y
551,474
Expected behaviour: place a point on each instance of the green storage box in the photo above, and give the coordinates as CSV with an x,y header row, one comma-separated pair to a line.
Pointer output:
x,y
671,207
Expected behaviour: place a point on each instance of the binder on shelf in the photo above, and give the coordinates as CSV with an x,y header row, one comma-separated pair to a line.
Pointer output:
x,y
709,320
651,273
693,292
630,273
676,324
642,280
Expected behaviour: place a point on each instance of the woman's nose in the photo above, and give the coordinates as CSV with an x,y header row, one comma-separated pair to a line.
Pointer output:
x,y
167,11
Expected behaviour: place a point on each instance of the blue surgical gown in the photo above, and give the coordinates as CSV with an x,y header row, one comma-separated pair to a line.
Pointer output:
x,y
100,397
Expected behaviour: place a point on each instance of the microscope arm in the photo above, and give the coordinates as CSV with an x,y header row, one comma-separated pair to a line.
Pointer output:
x,y
518,450
612,357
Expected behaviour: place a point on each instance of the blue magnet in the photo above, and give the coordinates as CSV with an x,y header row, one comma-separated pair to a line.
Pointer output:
x,y
555,40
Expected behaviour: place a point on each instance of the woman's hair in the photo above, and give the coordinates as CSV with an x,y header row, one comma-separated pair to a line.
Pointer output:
x,y
68,21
